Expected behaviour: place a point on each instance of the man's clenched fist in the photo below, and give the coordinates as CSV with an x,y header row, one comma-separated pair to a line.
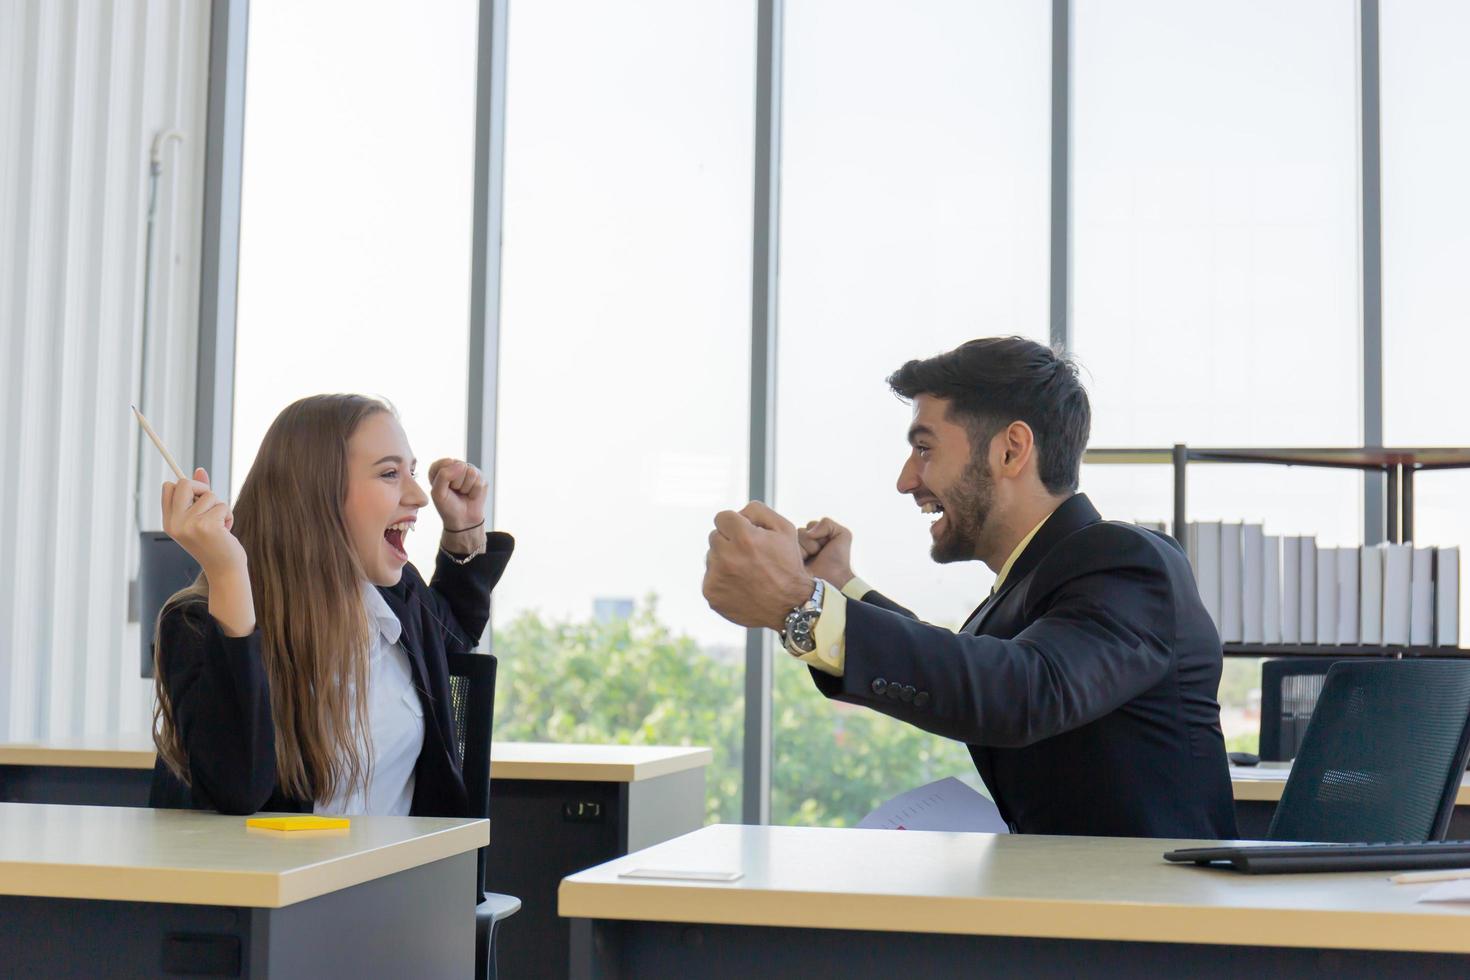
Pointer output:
x,y
826,548
753,573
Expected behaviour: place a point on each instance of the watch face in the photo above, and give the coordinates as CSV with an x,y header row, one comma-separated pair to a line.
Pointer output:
x,y
799,634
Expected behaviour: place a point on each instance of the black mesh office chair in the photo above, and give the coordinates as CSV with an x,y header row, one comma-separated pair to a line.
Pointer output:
x,y
472,691
1289,691
1383,756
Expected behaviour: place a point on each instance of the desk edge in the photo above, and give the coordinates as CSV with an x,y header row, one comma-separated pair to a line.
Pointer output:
x,y
1025,917
237,888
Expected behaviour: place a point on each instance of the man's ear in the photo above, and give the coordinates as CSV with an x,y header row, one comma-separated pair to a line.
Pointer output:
x,y
1016,445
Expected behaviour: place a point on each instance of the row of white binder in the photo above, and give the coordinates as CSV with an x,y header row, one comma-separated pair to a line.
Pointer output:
x,y
1266,588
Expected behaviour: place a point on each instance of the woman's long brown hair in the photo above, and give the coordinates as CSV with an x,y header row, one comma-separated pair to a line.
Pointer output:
x,y
307,585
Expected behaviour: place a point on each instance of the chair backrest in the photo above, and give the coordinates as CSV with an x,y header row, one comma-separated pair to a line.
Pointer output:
x,y
1290,687
164,568
472,697
1383,756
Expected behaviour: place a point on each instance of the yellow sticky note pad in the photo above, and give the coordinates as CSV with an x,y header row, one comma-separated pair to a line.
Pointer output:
x,y
298,823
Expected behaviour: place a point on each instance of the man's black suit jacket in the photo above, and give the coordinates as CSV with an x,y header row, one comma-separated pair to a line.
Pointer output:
x,y
1085,687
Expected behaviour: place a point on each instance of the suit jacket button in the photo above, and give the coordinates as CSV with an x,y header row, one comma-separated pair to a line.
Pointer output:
x,y
907,694
894,690
921,699
879,685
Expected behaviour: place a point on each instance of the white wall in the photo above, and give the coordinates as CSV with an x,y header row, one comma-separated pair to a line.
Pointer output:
x,y
84,87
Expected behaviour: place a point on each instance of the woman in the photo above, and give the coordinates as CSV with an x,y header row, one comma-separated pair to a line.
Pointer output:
x,y
305,670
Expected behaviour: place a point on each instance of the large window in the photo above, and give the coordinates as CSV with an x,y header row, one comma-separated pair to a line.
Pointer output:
x,y
1215,258
1426,221
1214,251
1215,212
915,157
355,223
1426,248
624,371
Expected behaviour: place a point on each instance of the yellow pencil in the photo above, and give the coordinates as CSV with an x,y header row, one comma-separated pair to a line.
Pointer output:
x,y
167,456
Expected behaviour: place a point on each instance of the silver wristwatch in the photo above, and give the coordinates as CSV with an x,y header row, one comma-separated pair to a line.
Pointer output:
x,y
799,636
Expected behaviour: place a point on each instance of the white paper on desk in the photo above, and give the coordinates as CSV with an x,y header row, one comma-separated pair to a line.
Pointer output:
x,y
947,804
676,874
1448,891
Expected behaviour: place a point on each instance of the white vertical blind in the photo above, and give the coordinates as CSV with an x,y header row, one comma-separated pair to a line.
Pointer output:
x,y
84,88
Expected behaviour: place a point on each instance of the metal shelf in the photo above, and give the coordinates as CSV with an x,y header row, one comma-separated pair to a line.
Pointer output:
x,y
1397,465
1355,458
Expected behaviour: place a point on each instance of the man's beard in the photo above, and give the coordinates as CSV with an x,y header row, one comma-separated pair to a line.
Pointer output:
x,y
965,513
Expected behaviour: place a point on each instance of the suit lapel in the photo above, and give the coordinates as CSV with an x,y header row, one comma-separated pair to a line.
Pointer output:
x,y
403,603
972,621
1075,513
982,612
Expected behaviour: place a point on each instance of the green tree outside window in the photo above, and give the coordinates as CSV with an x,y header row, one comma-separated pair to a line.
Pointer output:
x,y
635,682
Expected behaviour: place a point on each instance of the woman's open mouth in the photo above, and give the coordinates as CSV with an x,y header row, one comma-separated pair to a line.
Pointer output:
x,y
395,536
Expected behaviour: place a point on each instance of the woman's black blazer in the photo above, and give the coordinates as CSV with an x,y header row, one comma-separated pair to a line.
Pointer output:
x,y
221,698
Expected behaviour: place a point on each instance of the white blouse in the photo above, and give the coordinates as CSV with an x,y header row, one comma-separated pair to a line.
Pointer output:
x,y
395,721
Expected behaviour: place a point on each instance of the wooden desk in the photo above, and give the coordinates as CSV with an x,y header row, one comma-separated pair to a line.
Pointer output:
x,y
1258,789
100,770
557,809
867,903
109,891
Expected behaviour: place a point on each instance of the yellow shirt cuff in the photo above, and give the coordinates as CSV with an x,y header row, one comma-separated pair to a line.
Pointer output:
x,y
830,634
856,589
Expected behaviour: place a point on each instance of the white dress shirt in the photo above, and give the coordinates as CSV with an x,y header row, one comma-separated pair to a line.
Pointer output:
x,y
395,721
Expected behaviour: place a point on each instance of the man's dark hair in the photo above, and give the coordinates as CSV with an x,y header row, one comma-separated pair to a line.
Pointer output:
x,y
992,382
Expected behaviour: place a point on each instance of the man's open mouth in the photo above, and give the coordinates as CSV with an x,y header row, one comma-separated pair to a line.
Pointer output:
x,y
935,509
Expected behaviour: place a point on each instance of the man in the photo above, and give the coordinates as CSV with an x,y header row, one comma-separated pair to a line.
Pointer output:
x,y
1084,685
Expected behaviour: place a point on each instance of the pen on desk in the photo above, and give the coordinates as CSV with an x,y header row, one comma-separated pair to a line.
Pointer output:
x,y
1415,877
167,456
